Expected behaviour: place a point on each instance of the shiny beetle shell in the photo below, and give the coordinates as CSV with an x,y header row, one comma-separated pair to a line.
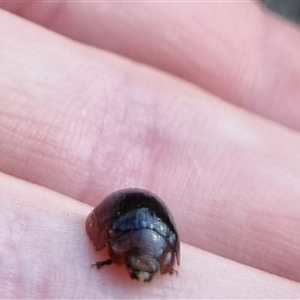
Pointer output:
x,y
138,230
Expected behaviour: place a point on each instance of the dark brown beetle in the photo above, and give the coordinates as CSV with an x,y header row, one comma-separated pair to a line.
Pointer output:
x,y
138,230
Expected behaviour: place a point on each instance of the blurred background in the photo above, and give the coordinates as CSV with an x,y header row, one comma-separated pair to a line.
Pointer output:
x,y
289,9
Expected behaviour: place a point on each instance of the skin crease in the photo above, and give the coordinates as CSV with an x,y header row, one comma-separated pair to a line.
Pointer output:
x,y
83,123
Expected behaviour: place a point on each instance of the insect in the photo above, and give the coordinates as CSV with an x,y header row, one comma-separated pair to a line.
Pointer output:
x,y
139,232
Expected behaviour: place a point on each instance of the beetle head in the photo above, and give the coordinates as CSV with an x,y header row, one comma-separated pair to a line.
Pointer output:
x,y
142,267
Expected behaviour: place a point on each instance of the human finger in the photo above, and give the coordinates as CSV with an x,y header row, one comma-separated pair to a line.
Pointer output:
x,y
234,49
45,253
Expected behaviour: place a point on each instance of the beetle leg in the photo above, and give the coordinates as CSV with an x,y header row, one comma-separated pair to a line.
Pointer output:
x,y
100,264
100,247
173,272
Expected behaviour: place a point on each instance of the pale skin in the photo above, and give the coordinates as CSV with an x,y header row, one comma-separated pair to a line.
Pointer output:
x,y
78,122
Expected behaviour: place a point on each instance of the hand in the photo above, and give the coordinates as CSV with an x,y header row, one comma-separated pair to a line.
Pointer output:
x,y
78,122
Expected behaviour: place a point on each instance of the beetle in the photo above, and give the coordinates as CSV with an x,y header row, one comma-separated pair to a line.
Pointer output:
x,y
138,230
